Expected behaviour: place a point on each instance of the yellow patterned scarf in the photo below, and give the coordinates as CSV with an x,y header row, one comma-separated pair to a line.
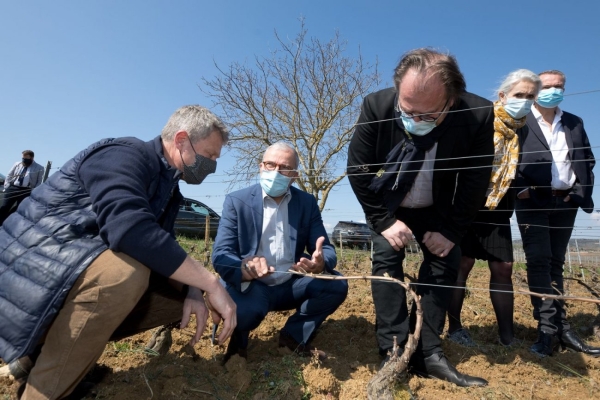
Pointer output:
x,y
506,154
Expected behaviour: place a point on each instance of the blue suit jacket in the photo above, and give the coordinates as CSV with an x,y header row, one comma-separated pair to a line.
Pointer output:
x,y
241,224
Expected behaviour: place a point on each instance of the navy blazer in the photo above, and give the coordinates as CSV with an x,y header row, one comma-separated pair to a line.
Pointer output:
x,y
240,231
535,167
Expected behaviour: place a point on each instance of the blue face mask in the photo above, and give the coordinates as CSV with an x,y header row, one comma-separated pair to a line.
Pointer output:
x,y
551,97
517,108
420,128
273,183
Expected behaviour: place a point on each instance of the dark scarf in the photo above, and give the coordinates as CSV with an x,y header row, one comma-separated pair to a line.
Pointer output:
x,y
402,164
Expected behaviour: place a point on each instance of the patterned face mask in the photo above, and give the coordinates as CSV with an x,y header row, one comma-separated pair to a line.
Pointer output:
x,y
194,174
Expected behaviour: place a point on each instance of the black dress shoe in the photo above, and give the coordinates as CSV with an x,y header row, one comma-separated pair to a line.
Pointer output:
x,y
303,350
544,345
438,366
234,348
570,340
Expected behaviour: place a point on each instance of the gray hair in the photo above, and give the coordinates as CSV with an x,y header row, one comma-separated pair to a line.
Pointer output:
x,y
433,63
197,121
517,76
284,146
554,72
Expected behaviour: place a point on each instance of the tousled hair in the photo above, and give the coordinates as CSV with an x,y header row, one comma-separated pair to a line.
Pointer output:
x,y
432,63
197,121
517,76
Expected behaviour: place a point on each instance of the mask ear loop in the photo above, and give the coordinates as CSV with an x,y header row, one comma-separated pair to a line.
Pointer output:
x,y
190,140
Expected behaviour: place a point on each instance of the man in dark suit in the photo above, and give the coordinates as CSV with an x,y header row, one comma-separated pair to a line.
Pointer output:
x,y
419,163
263,233
554,179
23,177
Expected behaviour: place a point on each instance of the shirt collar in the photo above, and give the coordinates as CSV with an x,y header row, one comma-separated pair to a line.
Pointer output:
x,y
160,150
538,116
286,197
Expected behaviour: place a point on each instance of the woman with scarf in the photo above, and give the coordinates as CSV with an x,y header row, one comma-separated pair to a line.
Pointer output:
x,y
489,237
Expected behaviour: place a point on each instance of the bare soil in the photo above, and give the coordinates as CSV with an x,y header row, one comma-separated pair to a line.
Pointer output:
x,y
127,372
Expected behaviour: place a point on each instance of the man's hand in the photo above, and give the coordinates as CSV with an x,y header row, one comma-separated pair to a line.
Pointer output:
x,y
255,267
222,308
437,244
399,235
316,264
193,274
523,194
194,304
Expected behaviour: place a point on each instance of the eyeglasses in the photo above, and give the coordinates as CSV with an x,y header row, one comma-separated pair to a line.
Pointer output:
x,y
282,168
423,117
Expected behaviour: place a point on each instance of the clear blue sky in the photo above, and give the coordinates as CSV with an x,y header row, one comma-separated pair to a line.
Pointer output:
x,y
73,72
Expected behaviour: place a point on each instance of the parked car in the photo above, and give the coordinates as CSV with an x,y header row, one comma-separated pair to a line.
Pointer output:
x,y
351,234
191,219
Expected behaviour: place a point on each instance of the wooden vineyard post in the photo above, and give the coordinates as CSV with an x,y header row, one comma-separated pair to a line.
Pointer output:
x,y
206,240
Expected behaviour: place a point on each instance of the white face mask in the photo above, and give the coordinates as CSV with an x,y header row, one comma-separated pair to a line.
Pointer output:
x,y
517,108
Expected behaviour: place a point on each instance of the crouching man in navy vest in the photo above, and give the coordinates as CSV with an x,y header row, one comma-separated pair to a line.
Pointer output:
x,y
87,258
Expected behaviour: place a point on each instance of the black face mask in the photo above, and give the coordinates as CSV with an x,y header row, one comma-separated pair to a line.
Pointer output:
x,y
194,174
27,161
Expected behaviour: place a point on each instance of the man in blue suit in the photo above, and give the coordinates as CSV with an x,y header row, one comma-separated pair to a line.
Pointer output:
x,y
266,230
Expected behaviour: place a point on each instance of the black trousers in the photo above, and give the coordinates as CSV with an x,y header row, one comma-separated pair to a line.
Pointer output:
x,y
390,299
13,196
546,232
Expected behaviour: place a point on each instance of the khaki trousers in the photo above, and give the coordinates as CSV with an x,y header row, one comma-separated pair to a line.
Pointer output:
x,y
114,297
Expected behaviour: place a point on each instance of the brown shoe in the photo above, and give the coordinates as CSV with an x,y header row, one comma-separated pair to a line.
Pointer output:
x,y
303,350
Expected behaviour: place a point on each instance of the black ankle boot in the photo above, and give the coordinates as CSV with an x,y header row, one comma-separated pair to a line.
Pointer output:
x,y
570,340
544,345
438,366
234,347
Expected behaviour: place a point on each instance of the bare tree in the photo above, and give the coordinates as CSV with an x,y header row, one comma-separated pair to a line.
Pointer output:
x,y
307,93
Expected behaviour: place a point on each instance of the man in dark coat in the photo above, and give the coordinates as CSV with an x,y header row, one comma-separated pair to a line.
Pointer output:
x,y
24,176
419,163
554,179
89,255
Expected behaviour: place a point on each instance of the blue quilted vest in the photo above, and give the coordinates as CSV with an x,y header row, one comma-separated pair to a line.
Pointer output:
x,y
51,239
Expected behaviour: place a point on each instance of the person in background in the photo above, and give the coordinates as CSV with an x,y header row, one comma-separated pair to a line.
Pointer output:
x,y
489,237
91,255
24,176
554,180
266,230
419,164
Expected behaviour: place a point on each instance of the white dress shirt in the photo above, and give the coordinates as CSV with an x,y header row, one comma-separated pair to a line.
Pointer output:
x,y
275,243
420,194
33,175
563,176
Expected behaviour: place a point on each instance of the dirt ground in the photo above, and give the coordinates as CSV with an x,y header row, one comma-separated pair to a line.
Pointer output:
x,y
127,372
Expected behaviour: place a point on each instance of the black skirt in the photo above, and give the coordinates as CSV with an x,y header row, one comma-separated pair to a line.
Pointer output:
x,y
489,236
